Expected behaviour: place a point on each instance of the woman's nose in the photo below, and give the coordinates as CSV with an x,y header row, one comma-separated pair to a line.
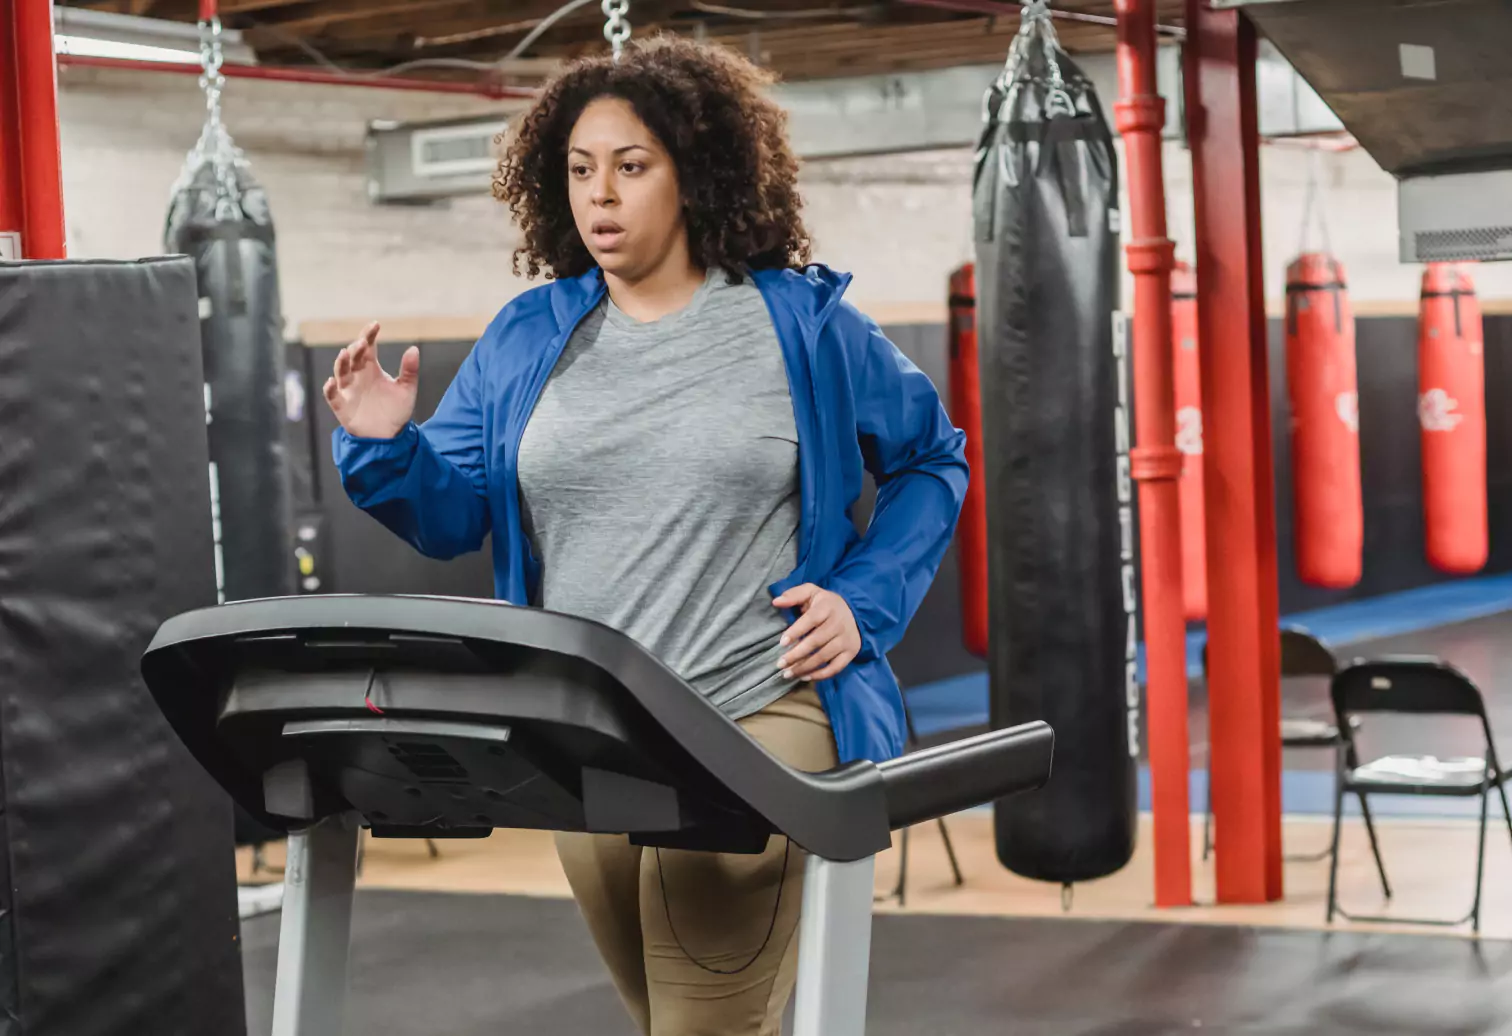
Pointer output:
x,y
603,189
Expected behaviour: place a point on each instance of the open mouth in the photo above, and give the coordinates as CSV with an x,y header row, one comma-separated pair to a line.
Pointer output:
x,y
606,234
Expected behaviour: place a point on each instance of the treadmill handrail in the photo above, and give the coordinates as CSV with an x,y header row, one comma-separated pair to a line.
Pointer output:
x,y
845,814
941,780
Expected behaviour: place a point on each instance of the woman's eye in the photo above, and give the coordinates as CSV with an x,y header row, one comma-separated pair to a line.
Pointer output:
x,y
631,168
579,170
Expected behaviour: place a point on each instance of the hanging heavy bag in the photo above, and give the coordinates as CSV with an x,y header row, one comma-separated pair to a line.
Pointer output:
x,y
219,216
1054,421
966,412
1322,389
1452,414
1188,386
1327,503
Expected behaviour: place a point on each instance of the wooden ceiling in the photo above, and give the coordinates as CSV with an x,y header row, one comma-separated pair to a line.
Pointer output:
x,y
799,39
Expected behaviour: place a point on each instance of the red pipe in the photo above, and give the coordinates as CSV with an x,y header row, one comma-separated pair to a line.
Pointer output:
x,y
31,169
1155,462
11,218
1243,638
493,91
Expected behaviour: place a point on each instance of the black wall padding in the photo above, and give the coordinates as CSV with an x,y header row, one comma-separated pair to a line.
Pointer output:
x,y
362,556
242,329
119,909
1061,611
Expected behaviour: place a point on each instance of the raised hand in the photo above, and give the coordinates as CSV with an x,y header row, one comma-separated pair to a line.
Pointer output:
x,y
365,399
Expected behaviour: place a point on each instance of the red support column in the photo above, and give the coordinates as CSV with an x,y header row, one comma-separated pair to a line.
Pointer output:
x,y
1243,663
1154,461
31,177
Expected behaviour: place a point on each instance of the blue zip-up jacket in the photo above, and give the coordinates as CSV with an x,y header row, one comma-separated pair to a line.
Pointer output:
x,y
860,405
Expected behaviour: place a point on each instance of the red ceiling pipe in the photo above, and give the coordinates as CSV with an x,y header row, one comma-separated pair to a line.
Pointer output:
x,y
1155,463
493,91
31,169
1243,637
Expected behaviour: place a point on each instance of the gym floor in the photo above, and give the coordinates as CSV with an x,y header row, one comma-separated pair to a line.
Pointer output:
x,y
502,949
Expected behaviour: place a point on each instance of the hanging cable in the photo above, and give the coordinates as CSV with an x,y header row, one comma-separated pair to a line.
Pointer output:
x,y
546,23
782,15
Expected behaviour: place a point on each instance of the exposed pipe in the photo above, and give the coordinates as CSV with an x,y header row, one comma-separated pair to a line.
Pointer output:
x,y
1155,462
31,189
999,8
493,91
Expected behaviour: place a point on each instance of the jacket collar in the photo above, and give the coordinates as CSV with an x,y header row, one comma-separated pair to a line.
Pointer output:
x,y
573,297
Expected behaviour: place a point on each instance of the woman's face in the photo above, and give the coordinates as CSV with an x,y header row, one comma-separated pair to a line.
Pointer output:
x,y
624,192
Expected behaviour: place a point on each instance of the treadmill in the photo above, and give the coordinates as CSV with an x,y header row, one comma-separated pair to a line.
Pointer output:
x,y
435,717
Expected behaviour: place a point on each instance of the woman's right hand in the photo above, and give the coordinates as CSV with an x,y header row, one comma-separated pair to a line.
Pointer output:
x,y
365,399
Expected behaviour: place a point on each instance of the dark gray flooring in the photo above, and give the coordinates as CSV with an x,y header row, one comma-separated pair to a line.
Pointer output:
x,y
452,965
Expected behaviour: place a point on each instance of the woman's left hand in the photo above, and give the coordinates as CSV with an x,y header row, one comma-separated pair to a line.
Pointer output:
x,y
824,639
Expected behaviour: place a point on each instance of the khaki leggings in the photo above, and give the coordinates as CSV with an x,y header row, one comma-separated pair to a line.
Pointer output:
x,y
720,904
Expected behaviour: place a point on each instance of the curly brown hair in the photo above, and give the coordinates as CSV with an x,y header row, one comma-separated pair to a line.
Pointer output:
x,y
736,171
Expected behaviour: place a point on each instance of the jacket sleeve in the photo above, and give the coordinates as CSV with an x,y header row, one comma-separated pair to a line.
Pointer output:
x,y
428,484
918,459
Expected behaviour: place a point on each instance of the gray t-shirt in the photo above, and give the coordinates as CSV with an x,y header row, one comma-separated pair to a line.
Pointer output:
x,y
659,484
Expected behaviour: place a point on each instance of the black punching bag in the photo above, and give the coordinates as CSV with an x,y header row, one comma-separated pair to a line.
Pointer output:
x,y
219,217
1059,518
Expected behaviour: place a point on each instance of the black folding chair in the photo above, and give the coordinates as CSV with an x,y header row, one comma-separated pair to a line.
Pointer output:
x,y
1302,655
1417,686
900,891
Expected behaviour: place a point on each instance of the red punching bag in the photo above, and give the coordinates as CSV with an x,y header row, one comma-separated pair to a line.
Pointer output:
x,y
1328,514
1452,413
966,411
1188,377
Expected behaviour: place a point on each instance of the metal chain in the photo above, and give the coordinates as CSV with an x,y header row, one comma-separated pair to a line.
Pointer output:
x,y
1036,25
617,25
1311,200
214,145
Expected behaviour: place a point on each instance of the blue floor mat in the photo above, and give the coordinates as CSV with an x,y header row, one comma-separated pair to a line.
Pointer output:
x,y
962,701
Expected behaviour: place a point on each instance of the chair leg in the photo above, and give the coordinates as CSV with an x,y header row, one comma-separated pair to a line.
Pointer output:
x,y
1480,860
1333,861
1375,845
902,890
1207,812
955,866
1506,810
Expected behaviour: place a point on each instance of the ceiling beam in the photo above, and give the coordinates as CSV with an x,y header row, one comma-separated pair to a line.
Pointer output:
x,y
448,17
314,19
230,7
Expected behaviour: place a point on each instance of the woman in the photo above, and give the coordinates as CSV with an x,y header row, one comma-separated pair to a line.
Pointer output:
x,y
668,437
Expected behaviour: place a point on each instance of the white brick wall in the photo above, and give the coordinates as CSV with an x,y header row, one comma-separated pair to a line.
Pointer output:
x,y
124,139
899,223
